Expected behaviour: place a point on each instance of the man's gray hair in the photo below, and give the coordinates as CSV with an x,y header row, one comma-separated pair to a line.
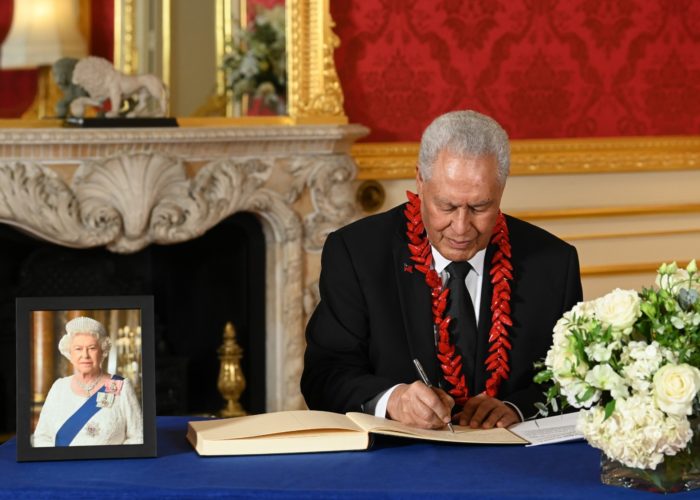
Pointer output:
x,y
464,133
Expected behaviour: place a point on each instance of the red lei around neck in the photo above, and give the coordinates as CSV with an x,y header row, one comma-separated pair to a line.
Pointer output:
x,y
501,275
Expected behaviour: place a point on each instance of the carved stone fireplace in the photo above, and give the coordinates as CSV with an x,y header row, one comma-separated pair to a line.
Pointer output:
x,y
125,189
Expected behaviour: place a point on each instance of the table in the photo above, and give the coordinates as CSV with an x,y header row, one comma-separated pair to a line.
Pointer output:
x,y
393,468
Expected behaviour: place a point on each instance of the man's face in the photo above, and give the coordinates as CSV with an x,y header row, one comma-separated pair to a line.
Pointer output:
x,y
460,203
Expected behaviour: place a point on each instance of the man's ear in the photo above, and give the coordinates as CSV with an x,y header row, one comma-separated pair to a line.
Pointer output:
x,y
419,181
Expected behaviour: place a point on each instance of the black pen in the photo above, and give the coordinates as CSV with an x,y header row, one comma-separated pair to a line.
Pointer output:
x,y
424,378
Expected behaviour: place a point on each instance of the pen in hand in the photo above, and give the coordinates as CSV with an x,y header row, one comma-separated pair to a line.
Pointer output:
x,y
424,378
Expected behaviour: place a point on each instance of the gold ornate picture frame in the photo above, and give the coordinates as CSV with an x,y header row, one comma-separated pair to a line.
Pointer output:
x,y
314,93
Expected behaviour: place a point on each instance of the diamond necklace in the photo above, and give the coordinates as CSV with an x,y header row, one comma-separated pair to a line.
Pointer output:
x,y
89,387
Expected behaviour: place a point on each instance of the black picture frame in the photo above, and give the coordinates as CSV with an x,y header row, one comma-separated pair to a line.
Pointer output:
x,y
25,307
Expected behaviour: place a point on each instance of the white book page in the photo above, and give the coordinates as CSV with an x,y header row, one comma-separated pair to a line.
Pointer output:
x,y
548,430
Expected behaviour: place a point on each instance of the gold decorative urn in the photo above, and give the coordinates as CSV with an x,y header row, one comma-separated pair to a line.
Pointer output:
x,y
231,380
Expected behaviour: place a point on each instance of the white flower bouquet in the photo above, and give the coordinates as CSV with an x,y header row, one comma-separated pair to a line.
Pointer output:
x,y
630,361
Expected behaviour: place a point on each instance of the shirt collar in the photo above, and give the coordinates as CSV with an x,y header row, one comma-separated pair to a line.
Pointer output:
x,y
477,262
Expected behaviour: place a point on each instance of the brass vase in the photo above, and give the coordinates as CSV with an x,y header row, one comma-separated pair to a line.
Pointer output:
x,y
231,380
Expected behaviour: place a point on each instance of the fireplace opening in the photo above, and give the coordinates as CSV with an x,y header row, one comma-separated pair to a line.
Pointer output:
x,y
198,286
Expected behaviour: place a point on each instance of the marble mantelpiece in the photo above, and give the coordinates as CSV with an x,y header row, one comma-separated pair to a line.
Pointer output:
x,y
125,189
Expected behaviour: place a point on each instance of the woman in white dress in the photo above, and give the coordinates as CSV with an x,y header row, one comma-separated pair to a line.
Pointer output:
x,y
89,407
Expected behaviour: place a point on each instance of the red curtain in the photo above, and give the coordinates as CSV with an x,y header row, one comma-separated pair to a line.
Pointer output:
x,y
102,29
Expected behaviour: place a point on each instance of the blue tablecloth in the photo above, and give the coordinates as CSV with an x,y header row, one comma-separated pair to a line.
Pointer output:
x,y
393,468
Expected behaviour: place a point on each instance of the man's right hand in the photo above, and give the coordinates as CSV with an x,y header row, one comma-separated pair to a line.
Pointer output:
x,y
420,406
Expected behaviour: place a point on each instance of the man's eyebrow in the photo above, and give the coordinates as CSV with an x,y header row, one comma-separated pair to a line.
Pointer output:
x,y
478,204
483,203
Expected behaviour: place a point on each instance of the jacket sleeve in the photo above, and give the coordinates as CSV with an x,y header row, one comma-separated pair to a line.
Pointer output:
x,y
337,374
572,293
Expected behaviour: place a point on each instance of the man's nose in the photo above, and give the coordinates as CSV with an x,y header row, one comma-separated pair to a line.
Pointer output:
x,y
461,221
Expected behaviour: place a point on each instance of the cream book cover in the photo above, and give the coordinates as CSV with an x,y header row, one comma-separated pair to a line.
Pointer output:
x,y
307,431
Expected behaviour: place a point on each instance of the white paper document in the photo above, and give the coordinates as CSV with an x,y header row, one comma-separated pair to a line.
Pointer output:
x,y
548,430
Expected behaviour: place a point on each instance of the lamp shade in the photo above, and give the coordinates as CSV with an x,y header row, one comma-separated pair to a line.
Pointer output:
x,y
42,32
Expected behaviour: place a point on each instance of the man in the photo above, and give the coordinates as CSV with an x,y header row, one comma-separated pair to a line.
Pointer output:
x,y
385,301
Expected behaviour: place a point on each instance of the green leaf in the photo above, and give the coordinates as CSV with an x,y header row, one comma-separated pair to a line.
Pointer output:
x,y
552,392
609,408
543,376
586,395
542,409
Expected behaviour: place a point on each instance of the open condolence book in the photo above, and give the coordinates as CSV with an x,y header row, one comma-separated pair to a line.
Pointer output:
x,y
306,431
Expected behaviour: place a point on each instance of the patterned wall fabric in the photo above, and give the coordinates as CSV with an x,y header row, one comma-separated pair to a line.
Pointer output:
x,y
543,68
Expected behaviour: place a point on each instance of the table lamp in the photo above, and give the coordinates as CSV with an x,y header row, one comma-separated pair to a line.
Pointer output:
x,y
42,32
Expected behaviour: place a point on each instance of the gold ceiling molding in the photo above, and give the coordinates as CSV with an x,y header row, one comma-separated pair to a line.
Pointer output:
x,y
611,211
549,156
637,268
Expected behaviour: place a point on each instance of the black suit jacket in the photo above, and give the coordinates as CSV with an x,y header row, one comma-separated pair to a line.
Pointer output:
x,y
374,316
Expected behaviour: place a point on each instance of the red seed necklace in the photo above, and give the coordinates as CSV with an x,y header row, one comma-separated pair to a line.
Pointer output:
x,y
501,275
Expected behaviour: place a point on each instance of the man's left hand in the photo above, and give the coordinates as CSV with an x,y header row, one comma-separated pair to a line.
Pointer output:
x,y
486,412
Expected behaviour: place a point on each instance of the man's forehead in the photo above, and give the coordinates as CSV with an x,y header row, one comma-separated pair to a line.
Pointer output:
x,y
450,153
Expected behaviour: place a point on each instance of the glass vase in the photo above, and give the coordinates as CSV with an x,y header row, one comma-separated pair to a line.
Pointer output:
x,y
680,472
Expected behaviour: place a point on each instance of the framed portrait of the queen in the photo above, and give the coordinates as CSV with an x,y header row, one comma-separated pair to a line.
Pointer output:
x,y
85,378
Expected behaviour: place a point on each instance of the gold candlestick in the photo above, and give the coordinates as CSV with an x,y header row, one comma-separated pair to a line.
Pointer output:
x,y
231,380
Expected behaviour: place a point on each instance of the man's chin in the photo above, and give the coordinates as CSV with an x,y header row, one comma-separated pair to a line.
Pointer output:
x,y
458,255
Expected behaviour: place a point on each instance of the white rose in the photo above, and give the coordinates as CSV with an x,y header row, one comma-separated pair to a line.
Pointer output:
x,y
619,308
675,387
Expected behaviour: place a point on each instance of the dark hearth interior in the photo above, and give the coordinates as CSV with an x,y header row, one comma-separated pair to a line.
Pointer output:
x,y
197,286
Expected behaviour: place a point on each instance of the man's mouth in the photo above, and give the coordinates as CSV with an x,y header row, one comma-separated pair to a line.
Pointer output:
x,y
460,244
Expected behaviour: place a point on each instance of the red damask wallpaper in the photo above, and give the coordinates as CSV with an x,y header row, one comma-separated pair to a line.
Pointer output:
x,y
543,68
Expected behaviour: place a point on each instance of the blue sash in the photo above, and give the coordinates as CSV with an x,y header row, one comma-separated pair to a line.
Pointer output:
x,y
75,422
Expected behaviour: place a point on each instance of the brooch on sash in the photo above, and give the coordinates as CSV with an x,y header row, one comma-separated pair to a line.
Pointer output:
x,y
92,429
105,400
114,387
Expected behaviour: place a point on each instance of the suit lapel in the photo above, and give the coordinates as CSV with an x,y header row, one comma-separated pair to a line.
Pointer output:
x,y
414,297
